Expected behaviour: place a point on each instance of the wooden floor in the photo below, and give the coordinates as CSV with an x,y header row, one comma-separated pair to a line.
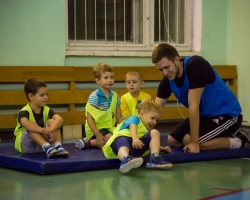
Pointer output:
x,y
224,179
219,179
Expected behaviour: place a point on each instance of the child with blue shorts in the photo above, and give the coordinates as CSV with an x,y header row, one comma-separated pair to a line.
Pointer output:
x,y
102,110
135,138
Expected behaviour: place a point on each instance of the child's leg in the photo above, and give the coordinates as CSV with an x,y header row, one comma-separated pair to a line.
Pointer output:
x,y
156,161
121,146
93,142
28,146
57,141
85,143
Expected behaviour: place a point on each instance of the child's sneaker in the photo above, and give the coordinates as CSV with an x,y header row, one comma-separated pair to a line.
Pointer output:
x,y
82,143
157,162
50,151
61,151
244,137
129,163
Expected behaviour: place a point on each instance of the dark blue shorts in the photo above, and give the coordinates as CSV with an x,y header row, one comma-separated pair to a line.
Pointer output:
x,y
127,142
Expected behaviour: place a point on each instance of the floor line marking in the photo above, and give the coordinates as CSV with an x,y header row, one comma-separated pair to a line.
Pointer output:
x,y
224,194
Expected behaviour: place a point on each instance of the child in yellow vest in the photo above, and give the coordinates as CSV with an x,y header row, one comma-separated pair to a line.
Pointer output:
x,y
131,100
102,110
135,137
38,126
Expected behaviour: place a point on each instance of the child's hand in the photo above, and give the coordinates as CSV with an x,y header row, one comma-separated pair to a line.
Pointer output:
x,y
100,141
165,149
51,138
137,143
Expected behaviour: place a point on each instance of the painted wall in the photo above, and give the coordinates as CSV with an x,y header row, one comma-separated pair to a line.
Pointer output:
x,y
33,33
214,31
238,49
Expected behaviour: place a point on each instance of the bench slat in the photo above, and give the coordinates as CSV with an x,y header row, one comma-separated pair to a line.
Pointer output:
x,y
20,74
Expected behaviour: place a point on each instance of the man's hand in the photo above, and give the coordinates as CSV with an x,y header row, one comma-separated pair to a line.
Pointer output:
x,y
192,147
137,143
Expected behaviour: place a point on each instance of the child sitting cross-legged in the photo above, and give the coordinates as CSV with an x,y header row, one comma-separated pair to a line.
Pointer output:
x,y
135,137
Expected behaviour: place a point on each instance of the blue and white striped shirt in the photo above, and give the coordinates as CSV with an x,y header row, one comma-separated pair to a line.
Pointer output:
x,y
98,99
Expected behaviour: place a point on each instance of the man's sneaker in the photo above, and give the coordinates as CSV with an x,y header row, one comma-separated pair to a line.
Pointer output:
x,y
244,137
129,163
157,162
82,143
61,151
50,151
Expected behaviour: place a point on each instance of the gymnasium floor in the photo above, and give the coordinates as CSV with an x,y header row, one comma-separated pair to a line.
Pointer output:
x,y
218,179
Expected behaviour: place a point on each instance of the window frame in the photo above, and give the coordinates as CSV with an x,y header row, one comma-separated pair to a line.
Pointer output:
x,y
193,17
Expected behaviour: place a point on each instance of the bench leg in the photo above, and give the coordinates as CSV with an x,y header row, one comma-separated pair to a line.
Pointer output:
x,y
72,131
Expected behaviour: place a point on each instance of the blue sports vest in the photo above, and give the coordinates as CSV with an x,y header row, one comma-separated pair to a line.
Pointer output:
x,y
216,99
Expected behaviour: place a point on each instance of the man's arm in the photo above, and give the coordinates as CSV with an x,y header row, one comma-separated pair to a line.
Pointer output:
x,y
194,97
161,102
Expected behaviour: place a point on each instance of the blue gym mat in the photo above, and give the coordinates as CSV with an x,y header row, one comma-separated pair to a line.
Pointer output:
x,y
93,159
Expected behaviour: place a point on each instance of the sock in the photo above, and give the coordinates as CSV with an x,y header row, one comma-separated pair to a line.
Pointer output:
x,y
46,144
57,144
89,143
154,155
235,143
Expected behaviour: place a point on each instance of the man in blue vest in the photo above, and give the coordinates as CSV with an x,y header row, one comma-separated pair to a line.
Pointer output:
x,y
214,112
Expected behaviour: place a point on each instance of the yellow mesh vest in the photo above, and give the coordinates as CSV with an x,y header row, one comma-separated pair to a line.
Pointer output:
x,y
103,119
107,150
19,129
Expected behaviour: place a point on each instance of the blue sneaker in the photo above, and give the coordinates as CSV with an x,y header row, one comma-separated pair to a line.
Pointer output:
x,y
157,162
50,151
82,143
129,163
244,137
61,151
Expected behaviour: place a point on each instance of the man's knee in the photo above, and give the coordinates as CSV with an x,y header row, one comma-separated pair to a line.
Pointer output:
x,y
173,142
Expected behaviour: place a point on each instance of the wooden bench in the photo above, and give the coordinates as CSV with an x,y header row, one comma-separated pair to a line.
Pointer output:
x,y
71,97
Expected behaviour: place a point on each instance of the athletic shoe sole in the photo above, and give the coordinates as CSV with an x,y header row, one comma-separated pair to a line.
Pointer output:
x,y
63,154
79,144
135,163
162,166
246,135
52,153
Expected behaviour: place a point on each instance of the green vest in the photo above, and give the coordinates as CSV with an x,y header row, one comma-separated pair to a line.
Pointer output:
x,y
107,150
19,128
103,119
132,108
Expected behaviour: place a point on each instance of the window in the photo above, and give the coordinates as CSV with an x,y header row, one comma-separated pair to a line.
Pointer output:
x,y
128,27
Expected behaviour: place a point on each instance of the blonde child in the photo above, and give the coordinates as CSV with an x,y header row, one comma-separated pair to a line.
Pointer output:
x,y
135,137
38,126
131,100
102,110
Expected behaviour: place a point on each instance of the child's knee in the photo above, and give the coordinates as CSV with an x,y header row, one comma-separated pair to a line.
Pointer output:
x,y
155,133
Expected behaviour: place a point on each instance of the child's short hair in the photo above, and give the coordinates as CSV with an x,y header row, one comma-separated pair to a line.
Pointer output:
x,y
149,105
32,86
136,73
102,68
